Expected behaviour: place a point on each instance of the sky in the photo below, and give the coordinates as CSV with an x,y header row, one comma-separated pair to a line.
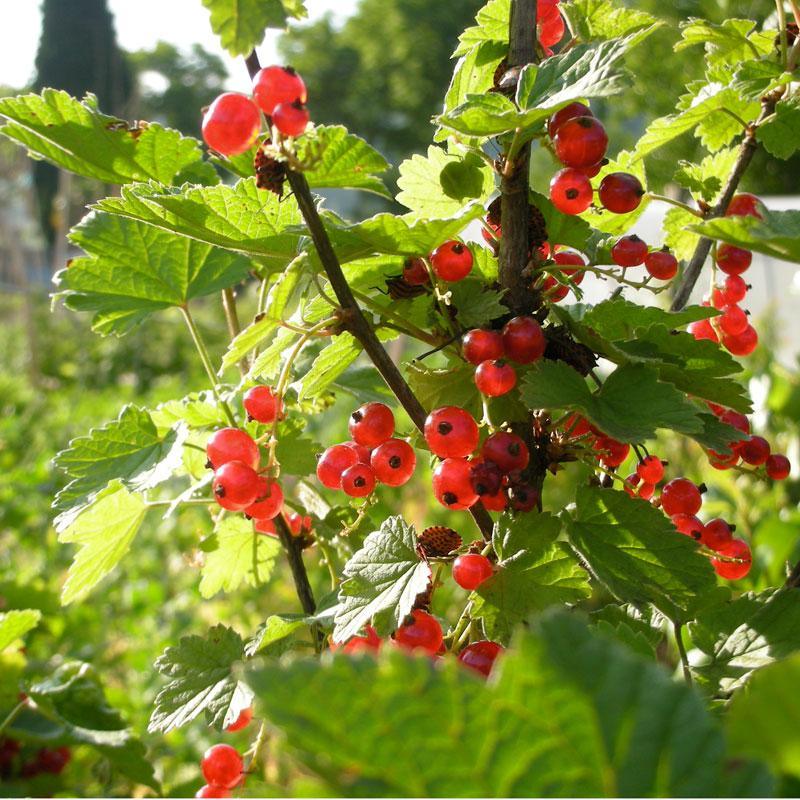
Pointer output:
x,y
139,24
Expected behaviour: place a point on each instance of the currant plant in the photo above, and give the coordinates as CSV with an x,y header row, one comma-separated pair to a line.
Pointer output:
x,y
507,396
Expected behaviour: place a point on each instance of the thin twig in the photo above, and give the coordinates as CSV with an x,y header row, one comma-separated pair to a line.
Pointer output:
x,y
687,672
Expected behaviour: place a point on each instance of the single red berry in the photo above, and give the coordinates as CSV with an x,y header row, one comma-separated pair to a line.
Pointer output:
x,y
422,633
265,526
212,791
275,85
569,258
364,453
480,345
495,502
723,461
236,486
778,467
495,378
523,497
565,114
647,490
620,192
269,501
629,251
550,26
291,119
742,344
733,570
451,432
703,329
372,424
393,462
222,766
580,142
231,124
242,721
754,451
688,525
524,340
744,205
661,264
717,534
630,484
452,484
371,643
507,450
571,191
480,656
415,272
733,260
736,420
333,462
53,759
262,404
681,496
611,452
358,480
650,469
594,170
734,290
231,444
486,476
576,426
471,570
295,522
451,261
554,290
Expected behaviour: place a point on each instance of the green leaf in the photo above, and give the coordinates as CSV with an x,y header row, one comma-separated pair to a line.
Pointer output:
x,y
200,672
677,235
620,319
74,135
776,235
726,44
103,532
739,637
492,26
568,713
535,572
382,581
236,554
272,635
635,552
488,115
640,629
240,24
342,160
602,19
474,72
436,387
296,453
199,410
132,270
764,722
129,449
706,179
476,303
15,624
753,79
267,364
565,229
779,135
332,361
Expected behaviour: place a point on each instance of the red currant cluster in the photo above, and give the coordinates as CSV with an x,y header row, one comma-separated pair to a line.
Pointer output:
x,y
223,769
233,121
580,143
631,251
732,327
45,760
521,340
372,456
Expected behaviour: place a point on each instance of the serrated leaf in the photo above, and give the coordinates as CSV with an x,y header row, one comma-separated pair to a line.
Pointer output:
x,y
474,72
491,26
241,24
236,554
535,572
332,361
200,669
706,179
199,410
602,19
103,531
382,580
728,43
16,623
565,229
677,235
620,319
488,115
296,453
74,135
267,364
436,387
639,628
129,449
753,79
132,270
635,552
779,135
272,635
476,304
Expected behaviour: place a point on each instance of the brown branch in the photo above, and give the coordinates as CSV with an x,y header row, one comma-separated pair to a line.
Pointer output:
x,y
746,152
793,581
294,550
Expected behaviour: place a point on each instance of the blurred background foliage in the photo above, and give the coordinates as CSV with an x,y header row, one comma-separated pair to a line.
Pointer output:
x,y
382,73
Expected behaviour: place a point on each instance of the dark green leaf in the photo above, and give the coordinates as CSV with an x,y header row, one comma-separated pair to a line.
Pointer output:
x,y
240,24
779,135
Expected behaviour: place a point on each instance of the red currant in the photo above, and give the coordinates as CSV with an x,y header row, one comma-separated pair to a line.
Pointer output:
x,y
717,534
480,656
688,525
650,469
242,721
481,345
610,451
212,791
370,643
524,497
580,142
647,490
236,486
551,26
661,264
554,290
733,320
298,523
703,329
507,450
358,480
620,192
629,251
733,260
53,759
231,444
372,424
222,766
735,290
733,570
415,272
333,462
742,344
681,496
471,570
393,462
291,119
268,502
571,191
778,467
524,340
275,85
265,526
451,432
231,124
262,404
422,633
452,484
486,476
565,114
495,378
736,420
568,258
754,451
451,261
744,205
495,502
364,453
